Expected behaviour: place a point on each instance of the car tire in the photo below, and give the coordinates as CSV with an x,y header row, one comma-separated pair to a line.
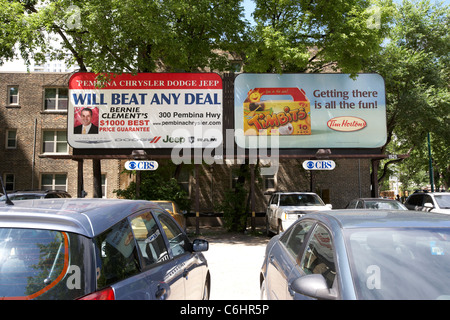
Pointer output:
x,y
268,232
279,227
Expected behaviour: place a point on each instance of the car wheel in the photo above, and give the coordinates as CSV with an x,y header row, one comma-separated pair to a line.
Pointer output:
x,y
279,227
268,232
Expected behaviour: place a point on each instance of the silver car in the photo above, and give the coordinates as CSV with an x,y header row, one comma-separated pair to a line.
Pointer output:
x,y
286,207
360,255
94,249
376,204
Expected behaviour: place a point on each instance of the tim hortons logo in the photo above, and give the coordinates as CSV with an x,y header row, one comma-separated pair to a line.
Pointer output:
x,y
346,124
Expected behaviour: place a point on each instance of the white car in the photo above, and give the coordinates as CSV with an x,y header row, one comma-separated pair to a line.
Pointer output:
x,y
436,202
285,208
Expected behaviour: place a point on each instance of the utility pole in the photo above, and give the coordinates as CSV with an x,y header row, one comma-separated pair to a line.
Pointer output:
x,y
430,164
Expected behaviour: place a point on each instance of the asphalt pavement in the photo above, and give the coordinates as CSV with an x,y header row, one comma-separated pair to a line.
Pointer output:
x,y
234,261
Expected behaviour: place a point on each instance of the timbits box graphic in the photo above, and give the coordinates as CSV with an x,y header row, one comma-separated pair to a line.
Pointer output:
x,y
277,111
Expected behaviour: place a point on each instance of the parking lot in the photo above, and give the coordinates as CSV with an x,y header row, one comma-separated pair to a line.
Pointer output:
x,y
234,262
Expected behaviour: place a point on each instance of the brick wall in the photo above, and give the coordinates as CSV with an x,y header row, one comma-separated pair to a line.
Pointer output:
x,y
350,178
30,121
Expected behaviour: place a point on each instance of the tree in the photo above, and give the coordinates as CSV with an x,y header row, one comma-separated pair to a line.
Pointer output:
x,y
309,35
123,35
415,65
158,185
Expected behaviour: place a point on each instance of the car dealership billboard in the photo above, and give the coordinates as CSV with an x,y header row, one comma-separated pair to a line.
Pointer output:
x,y
146,110
310,110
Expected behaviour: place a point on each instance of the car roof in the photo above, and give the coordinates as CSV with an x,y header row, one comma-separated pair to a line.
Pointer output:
x,y
366,218
88,217
294,192
430,193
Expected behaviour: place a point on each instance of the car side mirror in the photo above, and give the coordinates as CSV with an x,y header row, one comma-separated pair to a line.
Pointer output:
x,y
329,205
200,245
273,206
313,285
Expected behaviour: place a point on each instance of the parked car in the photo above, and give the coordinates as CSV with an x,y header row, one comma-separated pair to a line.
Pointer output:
x,y
36,194
95,249
172,208
436,202
286,207
376,203
357,254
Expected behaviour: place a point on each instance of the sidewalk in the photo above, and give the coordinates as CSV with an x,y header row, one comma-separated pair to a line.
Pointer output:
x,y
234,262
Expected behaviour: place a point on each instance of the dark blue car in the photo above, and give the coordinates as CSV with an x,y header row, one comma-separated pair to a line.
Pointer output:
x,y
98,249
360,254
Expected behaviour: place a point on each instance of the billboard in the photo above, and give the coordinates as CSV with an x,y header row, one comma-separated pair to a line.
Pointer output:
x,y
310,111
146,110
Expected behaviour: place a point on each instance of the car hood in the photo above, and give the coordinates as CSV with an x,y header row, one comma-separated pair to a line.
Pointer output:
x,y
444,211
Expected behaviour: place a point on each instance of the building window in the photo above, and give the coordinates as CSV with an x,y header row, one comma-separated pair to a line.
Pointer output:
x,y
56,99
55,142
9,180
11,139
269,182
13,95
104,186
183,181
54,181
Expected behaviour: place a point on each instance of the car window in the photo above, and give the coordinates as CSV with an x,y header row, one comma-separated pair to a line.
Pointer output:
x,y
274,199
294,239
149,239
352,204
41,264
300,200
415,200
318,257
51,195
178,241
360,204
443,200
117,257
427,199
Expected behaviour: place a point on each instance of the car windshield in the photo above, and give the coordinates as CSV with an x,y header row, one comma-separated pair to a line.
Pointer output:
x,y
388,205
300,200
443,200
403,263
40,264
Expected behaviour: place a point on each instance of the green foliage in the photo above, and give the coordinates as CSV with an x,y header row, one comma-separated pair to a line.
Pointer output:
x,y
300,35
235,205
415,65
158,185
234,209
124,35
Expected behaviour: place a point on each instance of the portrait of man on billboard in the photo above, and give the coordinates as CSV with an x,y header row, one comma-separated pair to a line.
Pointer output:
x,y
85,121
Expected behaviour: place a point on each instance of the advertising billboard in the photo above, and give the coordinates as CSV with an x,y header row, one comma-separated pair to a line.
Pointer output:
x,y
146,110
310,110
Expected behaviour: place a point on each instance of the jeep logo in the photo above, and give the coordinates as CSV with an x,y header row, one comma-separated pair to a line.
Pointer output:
x,y
168,139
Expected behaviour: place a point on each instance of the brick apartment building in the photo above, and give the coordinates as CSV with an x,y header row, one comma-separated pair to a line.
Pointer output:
x,y
33,126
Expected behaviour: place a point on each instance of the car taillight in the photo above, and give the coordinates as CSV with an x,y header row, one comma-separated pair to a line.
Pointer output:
x,y
105,294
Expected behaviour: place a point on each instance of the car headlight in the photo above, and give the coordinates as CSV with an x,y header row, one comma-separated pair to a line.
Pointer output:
x,y
293,215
